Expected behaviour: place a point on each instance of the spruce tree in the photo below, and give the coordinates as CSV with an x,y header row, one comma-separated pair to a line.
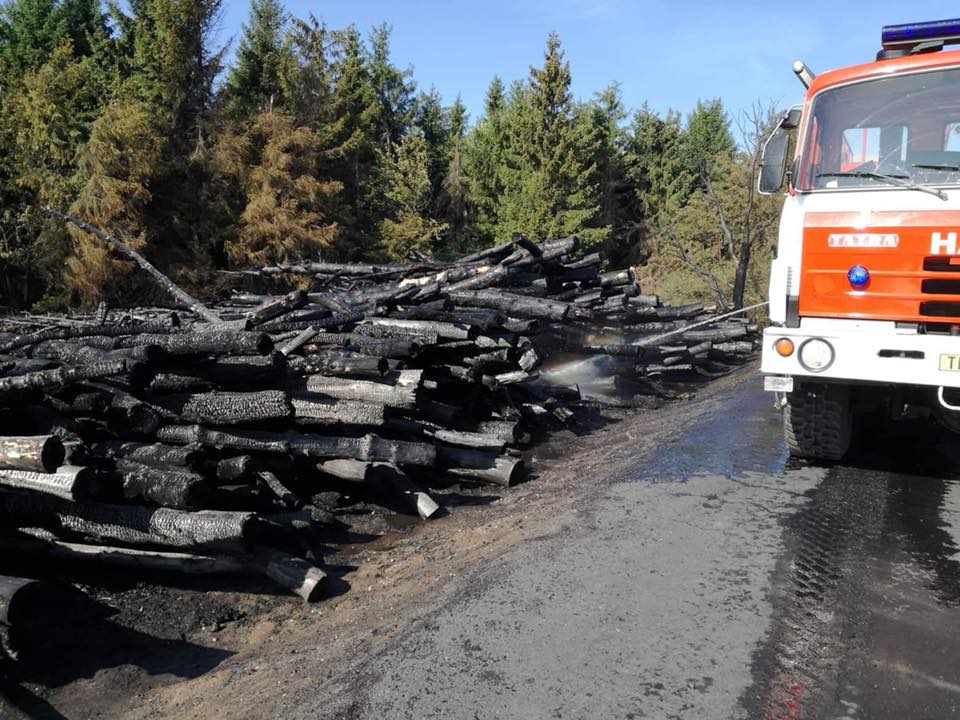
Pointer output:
x,y
485,158
456,188
707,136
551,189
393,87
288,209
407,175
255,82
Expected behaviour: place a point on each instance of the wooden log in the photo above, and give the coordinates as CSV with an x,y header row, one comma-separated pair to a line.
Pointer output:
x,y
643,301
133,524
487,467
396,327
69,482
399,396
162,280
179,489
382,347
680,311
468,439
618,277
234,468
61,376
11,366
298,341
336,320
368,447
86,331
506,430
730,332
742,347
19,599
229,408
151,560
384,482
214,341
40,453
129,413
273,483
71,353
277,307
318,410
344,362
293,573
155,455
513,305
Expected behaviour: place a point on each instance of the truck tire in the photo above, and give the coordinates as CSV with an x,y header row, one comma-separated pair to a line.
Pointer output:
x,y
818,422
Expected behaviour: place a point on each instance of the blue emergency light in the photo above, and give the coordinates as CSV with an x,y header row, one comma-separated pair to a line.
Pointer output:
x,y
859,277
910,35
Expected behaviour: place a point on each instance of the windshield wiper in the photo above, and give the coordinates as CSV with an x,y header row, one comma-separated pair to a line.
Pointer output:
x,y
903,181
938,166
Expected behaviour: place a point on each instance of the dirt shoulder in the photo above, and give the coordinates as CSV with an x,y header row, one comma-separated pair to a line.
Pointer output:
x,y
193,652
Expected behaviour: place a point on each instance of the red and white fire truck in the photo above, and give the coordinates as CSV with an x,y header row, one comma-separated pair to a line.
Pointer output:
x,y
865,289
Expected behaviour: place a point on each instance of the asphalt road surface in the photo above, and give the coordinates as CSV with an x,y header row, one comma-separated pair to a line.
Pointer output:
x,y
715,579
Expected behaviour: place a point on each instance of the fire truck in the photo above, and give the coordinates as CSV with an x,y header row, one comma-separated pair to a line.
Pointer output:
x,y
865,288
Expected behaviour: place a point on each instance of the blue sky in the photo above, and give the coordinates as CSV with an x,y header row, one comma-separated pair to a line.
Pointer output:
x,y
668,53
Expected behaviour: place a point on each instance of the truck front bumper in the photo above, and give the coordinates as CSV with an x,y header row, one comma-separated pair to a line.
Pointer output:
x,y
867,352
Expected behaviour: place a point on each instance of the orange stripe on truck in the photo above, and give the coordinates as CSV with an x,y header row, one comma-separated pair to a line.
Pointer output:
x,y
918,280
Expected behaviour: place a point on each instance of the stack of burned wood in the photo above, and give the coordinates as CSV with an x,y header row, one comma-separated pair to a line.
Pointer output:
x,y
221,440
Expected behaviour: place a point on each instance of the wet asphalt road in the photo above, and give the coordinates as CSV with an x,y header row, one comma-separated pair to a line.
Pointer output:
x,y
716,579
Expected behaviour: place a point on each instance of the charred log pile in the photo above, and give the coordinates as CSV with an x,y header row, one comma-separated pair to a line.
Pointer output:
x,y
219,439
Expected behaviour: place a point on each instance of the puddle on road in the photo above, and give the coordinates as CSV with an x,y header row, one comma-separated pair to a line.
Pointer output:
x,y
730,441
867,596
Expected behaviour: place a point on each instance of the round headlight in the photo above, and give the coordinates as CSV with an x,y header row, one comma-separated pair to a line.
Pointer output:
x,y
816,355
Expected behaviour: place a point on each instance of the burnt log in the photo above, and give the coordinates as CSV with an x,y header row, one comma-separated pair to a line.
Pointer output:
x,y
214,341
385,483
368,447
151,560
278,307
382,347
514,305
179,489
229,408
40,453
155,455
344,362
234,468
741,347
730,332
86,331
133,524
61,376
399,395
298,341
396,327
283,493
293,573
479,465
327,411
69,482
70,353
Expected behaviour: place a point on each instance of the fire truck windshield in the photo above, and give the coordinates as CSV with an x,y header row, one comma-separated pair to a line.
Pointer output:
x,y
892,132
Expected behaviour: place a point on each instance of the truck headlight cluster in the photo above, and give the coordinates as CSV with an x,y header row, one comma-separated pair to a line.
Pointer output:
x,y
816,355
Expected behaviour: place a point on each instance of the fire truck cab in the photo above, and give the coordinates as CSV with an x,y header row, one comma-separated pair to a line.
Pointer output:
x,y
865,288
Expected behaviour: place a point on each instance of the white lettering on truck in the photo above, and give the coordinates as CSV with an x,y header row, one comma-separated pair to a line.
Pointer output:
x,y
940,245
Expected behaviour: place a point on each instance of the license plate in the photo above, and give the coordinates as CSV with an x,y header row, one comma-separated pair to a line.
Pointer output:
x,y
950,362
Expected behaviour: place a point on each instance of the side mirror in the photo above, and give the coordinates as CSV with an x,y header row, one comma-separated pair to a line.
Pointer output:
x,y
773,160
